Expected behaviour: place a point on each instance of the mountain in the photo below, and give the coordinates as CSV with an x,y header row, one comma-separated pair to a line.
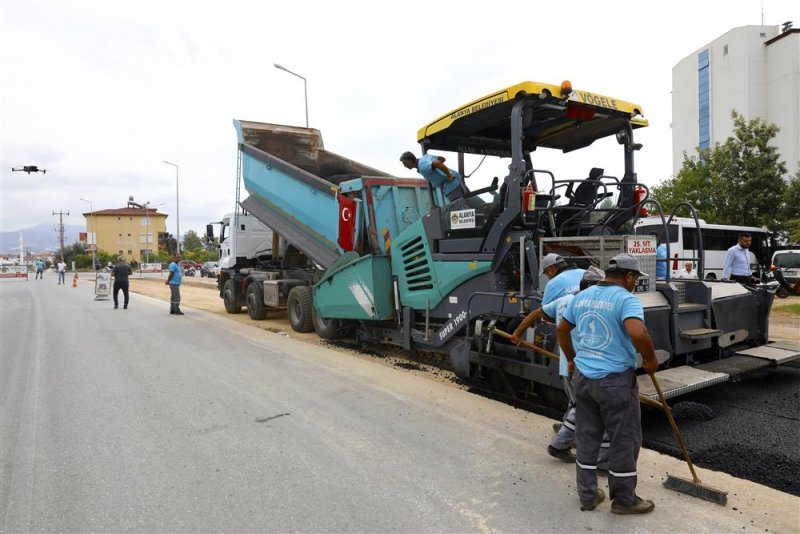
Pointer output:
x,y
40,238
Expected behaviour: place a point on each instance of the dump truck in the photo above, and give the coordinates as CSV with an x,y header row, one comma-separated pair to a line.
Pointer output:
x,y
390,260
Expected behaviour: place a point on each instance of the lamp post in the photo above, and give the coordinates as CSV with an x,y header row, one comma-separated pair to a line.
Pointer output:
x,y
147,234
177,210
94,234
305,86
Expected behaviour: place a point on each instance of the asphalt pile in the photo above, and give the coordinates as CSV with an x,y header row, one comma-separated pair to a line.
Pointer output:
x,y
748,429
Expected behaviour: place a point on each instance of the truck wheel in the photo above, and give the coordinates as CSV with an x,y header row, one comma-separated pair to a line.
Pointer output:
x,y
326,328
299,305
229,298
255,303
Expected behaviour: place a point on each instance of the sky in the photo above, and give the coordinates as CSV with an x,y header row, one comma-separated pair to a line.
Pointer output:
x,y
101,93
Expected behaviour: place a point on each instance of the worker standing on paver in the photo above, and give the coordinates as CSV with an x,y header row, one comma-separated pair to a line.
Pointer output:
x,y
563,277
174,282
437,173
608,326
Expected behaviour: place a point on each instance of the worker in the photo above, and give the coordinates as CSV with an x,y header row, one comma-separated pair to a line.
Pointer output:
x,y
608,326
560,445
437,173
736,266
563,277
661,254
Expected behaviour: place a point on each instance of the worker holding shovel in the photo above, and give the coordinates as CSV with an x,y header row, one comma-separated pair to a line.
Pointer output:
x,y
600,333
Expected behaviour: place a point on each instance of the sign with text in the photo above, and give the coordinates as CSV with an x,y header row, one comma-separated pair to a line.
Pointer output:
x,y
14,271
151,268
460,219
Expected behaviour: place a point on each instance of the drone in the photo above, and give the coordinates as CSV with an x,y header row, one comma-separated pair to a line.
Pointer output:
x,y
29,169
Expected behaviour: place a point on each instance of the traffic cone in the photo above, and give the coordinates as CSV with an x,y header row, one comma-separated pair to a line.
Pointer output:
x,y
75,281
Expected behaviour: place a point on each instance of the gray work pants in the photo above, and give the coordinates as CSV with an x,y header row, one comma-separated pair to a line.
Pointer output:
x,y
609,404
175,297
565,437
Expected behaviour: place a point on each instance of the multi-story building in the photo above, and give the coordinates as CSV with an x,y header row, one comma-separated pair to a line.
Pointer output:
x,y
752,69
129,232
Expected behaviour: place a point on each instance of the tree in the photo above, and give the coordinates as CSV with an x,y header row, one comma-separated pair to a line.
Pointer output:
x,y
741,181
791,213
192,242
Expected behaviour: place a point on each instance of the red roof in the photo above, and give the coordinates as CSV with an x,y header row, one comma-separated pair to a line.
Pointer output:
x,y
117,212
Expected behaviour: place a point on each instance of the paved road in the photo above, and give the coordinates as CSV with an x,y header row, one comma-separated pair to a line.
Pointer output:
x,y
134,420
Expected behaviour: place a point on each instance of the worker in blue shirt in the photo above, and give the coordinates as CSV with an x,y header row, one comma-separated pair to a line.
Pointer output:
x,y
661,266
737,261
174,282
563,278
560,445
437,173
600,333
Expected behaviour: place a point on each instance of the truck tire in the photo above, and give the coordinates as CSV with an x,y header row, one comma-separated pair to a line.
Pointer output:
x,y
255,302
298,307
229,298
326,328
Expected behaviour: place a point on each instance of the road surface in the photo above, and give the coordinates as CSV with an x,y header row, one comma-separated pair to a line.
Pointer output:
x,y
135,420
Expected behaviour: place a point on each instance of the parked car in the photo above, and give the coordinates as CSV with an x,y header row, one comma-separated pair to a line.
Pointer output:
x,y
209,269
789,263
189,264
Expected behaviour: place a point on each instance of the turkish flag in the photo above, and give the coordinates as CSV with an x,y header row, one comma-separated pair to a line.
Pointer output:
x,y
347,222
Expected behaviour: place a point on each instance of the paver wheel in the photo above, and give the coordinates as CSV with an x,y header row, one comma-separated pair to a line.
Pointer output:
x,y
326,328
299,305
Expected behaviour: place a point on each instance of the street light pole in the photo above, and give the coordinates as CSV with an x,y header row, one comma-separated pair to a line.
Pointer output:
x,y
177,210
305,86
94,235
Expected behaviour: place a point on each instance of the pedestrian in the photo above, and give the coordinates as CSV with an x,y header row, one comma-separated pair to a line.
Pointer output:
x,y
62,272
736,266
563,277
174,281
687,271
450,182
601,332
560,445
120,273
39,269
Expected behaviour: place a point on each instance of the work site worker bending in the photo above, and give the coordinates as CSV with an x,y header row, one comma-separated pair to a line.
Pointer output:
x,y
601,331
560,445
563,277
450,182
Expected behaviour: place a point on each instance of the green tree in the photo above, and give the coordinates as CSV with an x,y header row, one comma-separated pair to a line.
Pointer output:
x,y
791,208
191,241
738,182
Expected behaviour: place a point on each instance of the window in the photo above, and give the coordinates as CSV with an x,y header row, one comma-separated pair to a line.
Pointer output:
x,y
143,238
130,252
120,253
658,230
704,99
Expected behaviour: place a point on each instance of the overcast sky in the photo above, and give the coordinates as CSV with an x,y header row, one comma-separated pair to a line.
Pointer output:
x,y
100,93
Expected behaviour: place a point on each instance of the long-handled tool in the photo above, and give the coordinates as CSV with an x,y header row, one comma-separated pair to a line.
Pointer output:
x,y
692,487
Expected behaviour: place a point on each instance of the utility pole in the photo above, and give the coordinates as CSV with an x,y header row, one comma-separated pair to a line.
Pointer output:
x,y
61,230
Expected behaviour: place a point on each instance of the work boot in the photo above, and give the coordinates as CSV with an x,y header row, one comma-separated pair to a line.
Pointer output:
x,y
177,312
588,506
564,455
115,306
125,307
641,506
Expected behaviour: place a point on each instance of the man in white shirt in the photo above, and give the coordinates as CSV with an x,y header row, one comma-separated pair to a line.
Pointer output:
x,y
62,270
687,271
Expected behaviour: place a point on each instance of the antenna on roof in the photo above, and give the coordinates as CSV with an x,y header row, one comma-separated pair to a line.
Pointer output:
x,y
786,26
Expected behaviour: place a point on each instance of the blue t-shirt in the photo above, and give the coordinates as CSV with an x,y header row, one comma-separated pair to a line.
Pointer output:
x,y
602,345
177,274
555,310
661,266
39,265
437,177
564,283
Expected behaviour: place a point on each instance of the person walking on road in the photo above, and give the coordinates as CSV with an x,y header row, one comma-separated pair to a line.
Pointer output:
x,y
174,282
62,272
736,266
560,445
608,326
120,274
39,270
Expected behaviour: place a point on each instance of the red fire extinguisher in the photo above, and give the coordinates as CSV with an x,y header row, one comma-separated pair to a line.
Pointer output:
x,y
529,198
638,196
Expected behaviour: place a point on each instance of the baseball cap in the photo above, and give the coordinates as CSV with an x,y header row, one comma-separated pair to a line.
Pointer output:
x,y
593,274
550,260
624,261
